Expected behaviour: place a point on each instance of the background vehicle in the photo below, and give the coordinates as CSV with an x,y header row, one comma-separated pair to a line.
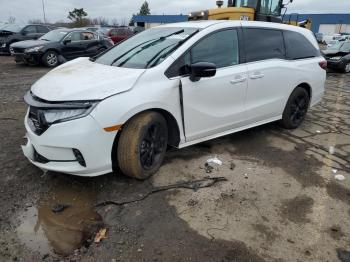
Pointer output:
x,y
338,56
12,33
177,85
117,34
252,10
59,45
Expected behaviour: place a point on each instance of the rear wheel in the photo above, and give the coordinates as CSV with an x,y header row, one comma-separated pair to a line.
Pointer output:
x,y
142,145
50,59
296,109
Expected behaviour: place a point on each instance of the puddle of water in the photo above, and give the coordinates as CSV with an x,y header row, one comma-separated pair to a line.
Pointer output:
x,y
47,232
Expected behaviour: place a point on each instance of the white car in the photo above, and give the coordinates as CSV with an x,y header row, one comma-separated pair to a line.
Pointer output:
x,y
173,85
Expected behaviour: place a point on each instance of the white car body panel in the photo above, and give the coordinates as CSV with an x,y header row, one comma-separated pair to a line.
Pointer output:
x,y
82,79
237,98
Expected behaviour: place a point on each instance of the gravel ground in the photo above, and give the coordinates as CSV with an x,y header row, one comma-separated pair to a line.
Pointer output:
x,y
281,201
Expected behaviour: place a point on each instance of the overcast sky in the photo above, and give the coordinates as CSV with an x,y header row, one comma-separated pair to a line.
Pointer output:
x,y
23,10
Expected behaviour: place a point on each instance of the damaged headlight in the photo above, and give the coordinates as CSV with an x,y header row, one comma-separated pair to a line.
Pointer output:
x,y
34,49
52,116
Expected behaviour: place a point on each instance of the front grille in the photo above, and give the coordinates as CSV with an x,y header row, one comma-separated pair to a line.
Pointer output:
x,y
37,121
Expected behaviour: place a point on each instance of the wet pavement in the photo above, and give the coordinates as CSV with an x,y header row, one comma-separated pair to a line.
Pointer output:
x,y
281,201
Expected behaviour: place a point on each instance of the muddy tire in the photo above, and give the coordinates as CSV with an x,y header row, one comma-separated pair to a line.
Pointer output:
x,y
142,145
296,109
50,59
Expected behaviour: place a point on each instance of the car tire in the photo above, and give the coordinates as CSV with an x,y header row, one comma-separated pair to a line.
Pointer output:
x,y
142,145
296,109
346,68
50,59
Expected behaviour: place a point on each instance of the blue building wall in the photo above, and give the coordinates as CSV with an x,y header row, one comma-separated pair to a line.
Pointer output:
x,y
159,19
318,19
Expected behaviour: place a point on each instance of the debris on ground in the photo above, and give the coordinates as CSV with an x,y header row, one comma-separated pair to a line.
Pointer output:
x,y
59,208
246,176
194,185
331,150
339,177
334,171
211,163
100,235
318,131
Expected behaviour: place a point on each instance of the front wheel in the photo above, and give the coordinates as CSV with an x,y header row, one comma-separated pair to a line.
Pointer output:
x,y
50,59
347,68
142,145
296,109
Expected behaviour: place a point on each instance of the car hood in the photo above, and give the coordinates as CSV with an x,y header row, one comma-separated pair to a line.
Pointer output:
x,y
29,43
330,52
82,79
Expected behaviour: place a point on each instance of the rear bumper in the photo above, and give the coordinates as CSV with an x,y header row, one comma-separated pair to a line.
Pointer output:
x,y
336,64
53,150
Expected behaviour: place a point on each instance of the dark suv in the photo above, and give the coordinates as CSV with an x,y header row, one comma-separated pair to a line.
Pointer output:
x,y
12,33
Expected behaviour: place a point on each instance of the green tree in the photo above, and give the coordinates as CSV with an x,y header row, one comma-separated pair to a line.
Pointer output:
x,y
144,10
77,16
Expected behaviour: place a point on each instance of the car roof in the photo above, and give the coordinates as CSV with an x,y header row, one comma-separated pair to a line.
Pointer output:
x,y
207,23
68,30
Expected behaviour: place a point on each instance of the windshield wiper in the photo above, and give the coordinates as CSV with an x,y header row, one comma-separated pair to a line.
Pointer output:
x,y
153,41
170,51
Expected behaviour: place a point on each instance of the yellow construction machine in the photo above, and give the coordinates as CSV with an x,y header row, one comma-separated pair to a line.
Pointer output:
x,y
253,10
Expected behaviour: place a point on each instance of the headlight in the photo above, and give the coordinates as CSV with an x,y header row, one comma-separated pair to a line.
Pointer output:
x,y
53,116
335,58
33,49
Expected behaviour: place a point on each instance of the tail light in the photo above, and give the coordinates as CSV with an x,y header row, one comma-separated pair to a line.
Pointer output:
x,y
323,64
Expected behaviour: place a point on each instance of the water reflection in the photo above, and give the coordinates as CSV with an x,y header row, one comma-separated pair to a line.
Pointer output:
x,y
44,231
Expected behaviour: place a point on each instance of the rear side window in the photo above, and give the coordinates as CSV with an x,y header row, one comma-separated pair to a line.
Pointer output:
x,y
42,29
262,44
220,48
298,47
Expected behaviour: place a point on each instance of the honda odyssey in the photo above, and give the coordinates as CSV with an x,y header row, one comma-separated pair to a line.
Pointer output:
x,y
173,85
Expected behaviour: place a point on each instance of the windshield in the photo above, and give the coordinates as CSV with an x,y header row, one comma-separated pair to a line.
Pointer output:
x,y
12,28
147,49
54,36
267,7
247,3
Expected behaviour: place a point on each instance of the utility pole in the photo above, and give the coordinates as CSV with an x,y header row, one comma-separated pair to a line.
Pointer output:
x,y
42,1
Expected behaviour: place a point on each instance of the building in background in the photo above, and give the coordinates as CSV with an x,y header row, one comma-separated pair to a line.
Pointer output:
x,y
148,21
327,24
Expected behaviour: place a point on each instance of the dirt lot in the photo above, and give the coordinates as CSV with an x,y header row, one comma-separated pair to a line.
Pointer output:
x,y
281,201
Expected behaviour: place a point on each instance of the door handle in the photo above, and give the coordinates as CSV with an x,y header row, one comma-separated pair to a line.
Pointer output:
x,y
256,75
238,79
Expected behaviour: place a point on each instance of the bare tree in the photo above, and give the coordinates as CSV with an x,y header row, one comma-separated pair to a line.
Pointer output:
x,y
115,22
123,22
103,21
11,20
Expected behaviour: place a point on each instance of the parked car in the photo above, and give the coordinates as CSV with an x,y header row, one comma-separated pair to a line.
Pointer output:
x,y
12,33
118,34
328,38
338,56
173,85
58,46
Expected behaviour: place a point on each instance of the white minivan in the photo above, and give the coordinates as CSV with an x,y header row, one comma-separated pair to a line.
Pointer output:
x,y
173,85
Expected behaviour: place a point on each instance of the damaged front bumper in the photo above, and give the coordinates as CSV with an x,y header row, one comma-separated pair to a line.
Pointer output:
x,y
78,147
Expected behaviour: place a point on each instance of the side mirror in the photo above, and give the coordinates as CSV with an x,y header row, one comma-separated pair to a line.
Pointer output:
x,y
202,69
66,41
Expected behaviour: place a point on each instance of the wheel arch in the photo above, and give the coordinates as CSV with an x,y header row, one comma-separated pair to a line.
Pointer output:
x,y
307,87
173,132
